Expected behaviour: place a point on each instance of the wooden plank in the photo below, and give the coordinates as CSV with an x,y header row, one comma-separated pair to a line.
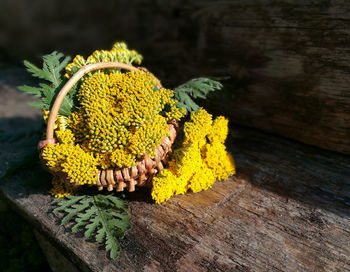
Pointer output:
x,y
288,209
289,66
57,262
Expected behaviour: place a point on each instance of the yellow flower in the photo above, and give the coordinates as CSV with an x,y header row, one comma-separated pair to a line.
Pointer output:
x,y
103,160
217,159
146,138
199,162
60,123
126,112
81,167
164,186
219,130
175,113
77,124
118,53
198,127
203,179
122,158
65,136
45,115
62,188
55,155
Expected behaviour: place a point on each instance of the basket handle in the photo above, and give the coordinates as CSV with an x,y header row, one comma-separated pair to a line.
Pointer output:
x,y
70,83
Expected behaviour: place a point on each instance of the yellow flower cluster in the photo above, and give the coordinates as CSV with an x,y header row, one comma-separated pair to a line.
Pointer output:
x,y
65,136
146,138
121,157
124,114
66,157
164,186
174,112
217,159
118,53
80,166
201,160
198,128
77,124
61,121
55,155
119,117
62,188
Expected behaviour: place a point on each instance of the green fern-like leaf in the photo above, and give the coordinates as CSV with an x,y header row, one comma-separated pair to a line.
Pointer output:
x,y
51,73
195,88
105,217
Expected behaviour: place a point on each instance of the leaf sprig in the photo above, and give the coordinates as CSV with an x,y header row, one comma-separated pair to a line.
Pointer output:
x,y
195,88
51,73
103,216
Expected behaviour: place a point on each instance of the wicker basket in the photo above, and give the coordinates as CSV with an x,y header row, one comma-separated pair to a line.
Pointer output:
x,y
119,178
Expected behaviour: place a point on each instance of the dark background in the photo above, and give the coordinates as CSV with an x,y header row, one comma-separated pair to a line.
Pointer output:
x,y
165,32
288,61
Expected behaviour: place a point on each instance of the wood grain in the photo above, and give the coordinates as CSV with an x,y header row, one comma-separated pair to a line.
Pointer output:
x,y
288,209
289,66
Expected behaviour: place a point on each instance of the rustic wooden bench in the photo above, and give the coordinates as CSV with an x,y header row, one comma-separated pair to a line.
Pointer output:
x,y
287,209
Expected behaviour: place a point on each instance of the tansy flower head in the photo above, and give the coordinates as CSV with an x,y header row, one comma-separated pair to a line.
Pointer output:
x,y
62,188
198,127
200,161
219,130
81,167
65,136
121,157
122,112
119,118
118,53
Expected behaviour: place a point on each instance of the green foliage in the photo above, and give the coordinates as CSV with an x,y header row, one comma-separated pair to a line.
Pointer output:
x,y
51,74
103,216
195,88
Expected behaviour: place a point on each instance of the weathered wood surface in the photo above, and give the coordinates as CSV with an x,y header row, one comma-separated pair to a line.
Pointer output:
x,y
288,60
288,209
289,64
